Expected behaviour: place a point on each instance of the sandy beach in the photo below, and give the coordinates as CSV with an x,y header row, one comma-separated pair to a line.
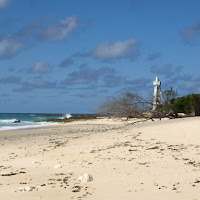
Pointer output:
x,y
146,160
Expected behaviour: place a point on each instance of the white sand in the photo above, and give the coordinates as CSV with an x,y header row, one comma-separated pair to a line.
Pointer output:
x,y
149,160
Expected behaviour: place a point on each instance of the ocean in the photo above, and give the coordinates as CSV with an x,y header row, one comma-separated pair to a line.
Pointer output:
x,y
27,120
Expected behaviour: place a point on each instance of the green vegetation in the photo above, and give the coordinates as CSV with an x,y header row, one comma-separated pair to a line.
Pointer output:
x,y
189,104
172,105
167,107
132,105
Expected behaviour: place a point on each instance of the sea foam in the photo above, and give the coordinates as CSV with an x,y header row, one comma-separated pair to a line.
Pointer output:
x,y
31,126
68,115
7,121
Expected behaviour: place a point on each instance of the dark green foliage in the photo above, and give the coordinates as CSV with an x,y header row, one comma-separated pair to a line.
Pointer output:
x,y
197,107
189,104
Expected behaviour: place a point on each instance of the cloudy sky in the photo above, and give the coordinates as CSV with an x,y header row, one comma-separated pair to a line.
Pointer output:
x,y
66,56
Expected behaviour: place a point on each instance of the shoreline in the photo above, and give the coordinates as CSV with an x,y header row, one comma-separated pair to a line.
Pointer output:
x,y
156,160
25,127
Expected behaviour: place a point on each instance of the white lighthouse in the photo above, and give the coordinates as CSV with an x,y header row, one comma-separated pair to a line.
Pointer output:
x,y
157,98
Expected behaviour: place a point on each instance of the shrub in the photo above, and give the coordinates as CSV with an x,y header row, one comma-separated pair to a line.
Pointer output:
x,y
189,104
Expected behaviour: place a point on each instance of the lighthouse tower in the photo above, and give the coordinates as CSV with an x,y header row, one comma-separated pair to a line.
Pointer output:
x,y
157,98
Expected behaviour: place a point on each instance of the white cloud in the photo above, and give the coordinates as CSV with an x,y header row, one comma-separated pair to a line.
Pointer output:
x,y
41,67
4,3
120,49
10,47
26,36
60,30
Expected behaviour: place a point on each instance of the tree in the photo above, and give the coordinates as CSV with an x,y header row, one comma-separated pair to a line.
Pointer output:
x,y
197,107
169,95
189,104
167,106
129,105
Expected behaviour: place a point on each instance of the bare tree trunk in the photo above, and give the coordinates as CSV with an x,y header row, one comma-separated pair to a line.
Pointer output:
x,y
197,107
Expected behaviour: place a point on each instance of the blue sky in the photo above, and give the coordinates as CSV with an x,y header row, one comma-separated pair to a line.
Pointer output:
x,y
67,56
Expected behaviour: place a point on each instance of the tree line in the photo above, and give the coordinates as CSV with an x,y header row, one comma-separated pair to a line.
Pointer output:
x,y
133,105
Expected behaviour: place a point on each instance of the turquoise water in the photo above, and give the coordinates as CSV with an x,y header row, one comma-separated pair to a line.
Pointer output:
x,y
26,120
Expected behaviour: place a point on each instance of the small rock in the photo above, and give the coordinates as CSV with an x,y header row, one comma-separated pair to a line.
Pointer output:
x,y
57,166
26,189
86,178
17,121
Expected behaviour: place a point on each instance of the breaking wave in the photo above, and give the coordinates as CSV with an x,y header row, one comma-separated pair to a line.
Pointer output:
x,y
10,121
7,121
66,116
31,126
